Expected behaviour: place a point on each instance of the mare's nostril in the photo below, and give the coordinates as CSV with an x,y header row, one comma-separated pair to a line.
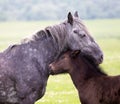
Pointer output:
x,y
101,57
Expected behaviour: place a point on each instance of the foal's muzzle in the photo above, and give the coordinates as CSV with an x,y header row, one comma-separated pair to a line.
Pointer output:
x,y
51,72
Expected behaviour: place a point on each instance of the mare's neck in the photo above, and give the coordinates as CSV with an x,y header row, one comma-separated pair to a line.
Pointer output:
x,y
48,49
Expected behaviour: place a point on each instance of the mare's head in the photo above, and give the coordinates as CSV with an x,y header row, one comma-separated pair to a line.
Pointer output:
x,y
80,39
73,34
65,63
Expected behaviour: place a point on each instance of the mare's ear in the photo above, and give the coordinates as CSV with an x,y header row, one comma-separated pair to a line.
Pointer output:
x,y
70,18
76,14
74,54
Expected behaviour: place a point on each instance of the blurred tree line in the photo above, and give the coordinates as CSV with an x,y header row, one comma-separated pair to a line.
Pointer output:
x,y
57,9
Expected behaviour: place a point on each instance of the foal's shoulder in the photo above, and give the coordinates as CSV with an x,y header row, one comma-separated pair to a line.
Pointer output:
x,y
114,79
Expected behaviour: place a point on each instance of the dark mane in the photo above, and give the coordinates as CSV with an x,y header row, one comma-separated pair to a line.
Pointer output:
x,y
56,32
40,35
91,65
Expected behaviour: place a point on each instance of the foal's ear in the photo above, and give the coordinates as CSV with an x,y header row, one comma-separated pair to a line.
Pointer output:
x,y
76,14
74,54
70,18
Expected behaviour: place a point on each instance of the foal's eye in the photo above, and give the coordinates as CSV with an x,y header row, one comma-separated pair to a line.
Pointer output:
x,y
62,57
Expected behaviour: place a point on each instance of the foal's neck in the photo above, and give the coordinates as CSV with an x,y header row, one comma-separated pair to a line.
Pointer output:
x,y
77,74
83,72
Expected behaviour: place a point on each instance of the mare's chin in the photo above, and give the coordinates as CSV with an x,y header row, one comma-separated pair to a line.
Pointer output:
x,y
89,58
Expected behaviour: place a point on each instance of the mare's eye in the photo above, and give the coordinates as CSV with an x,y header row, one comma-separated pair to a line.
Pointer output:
x,y
75,31
83,35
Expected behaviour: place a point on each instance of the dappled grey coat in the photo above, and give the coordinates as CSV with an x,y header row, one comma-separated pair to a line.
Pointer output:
x,y
24,67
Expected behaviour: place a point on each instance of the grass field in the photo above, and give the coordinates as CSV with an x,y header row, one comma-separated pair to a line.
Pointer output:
x,y
60,89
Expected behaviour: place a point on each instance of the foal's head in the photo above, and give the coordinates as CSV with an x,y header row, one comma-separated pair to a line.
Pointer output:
x,y
71,60
65,62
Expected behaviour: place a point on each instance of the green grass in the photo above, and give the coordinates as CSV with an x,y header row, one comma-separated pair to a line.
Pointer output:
x,y
60,89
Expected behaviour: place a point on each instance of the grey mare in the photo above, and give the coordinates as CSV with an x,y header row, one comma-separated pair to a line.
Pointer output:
x,y
24,67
